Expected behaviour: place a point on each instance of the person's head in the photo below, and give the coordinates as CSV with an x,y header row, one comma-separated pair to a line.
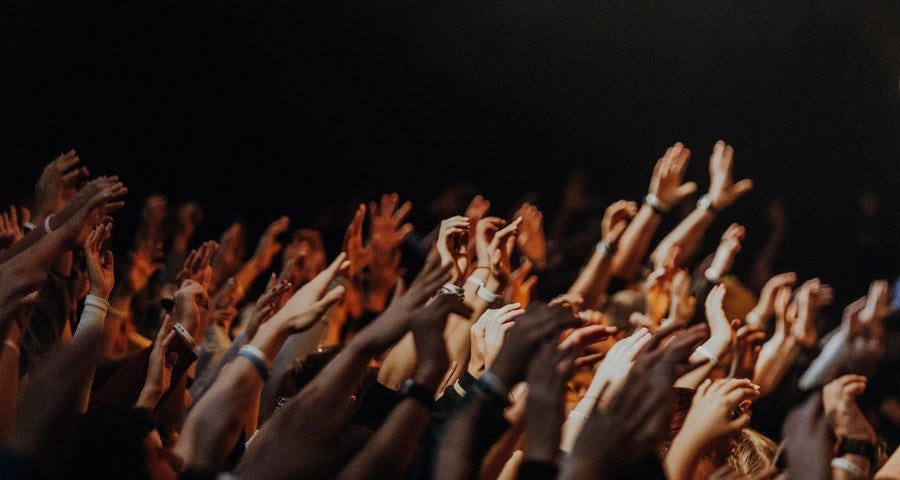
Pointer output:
x,y
753,453
621,305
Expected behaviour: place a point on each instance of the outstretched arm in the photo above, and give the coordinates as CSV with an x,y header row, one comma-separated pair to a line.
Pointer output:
x,y
665,191
688,235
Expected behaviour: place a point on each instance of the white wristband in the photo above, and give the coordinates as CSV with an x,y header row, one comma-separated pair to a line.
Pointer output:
x,y
706,353
475,280
847,466
486,294
47,223
28,226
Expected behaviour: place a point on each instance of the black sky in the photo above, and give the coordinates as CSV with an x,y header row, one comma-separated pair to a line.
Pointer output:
x,y
210,100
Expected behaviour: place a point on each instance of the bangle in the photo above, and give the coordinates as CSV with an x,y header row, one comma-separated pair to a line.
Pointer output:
x,y
451,289
257,358
656,204
705,203
486,294
603,249
475,280
847,466
28,226
47,223
11,344
706,353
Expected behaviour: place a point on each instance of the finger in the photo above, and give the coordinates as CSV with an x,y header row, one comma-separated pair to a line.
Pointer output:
x,y
167,340
742,187
402,212
171,360
331,297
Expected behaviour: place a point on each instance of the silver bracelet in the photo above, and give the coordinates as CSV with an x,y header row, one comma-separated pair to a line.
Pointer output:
x,y
847,466
656,204
486,294
602,249
47,223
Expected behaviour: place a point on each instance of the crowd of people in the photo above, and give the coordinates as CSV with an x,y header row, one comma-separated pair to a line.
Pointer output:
x,y
481,347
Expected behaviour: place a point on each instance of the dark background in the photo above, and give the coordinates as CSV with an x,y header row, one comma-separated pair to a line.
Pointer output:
x,y
260,108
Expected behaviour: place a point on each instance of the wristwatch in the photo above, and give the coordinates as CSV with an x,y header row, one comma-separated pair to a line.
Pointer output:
x,y
858,446
410,389
705,203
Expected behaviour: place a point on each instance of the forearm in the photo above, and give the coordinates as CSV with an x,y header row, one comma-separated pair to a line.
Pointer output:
x,y
891,468
682,458
717,347
635,242
399,363
9,382
245,277
775,359
388,453
204,381
824,368
687,236
93,317
215,423
593,277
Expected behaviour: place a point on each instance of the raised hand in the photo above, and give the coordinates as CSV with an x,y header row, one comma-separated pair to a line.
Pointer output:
x,y
306,306
681,303
191,307
387,227
357,253
728,248
10,228
537,322
811,297
266,305
496,324
531,239
639,415
746,351
548,371
765,305
99,261
582,338
268,245
58,183
615,219
427,327
143,262
719,410
451,245
723,191
666,181
196,265
610,375
159,370
806,440
842,410
230,255
521,284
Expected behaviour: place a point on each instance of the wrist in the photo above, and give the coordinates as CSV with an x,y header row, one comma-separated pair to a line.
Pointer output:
x,y
658,206
429,374
269,338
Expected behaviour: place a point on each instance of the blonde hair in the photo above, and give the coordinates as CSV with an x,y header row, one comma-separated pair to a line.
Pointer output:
x,y
752,453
